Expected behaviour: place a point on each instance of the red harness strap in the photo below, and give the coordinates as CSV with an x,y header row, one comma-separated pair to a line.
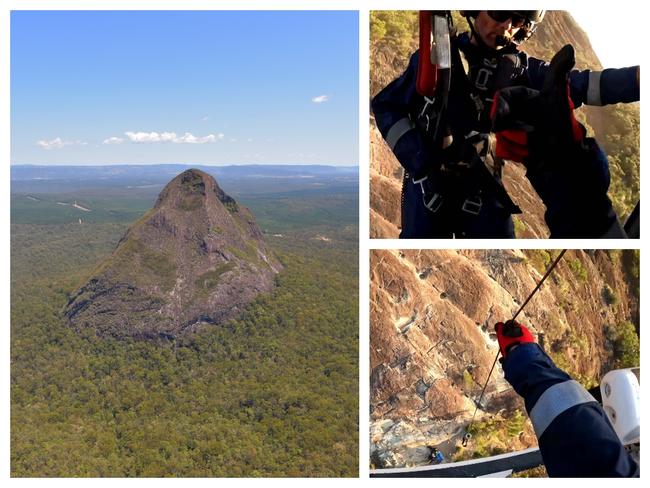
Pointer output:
x,y
427,78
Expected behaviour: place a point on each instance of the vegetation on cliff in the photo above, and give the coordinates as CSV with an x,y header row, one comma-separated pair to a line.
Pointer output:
x,y
154,283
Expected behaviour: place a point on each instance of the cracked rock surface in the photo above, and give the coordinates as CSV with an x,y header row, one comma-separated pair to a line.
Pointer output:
x,y
196,258
432,316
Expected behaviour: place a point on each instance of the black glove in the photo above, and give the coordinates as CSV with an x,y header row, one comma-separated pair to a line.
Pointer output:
x,y
568,171
534,126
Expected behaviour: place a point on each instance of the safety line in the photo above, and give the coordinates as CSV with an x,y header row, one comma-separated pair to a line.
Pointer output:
x,y
548,272
467,435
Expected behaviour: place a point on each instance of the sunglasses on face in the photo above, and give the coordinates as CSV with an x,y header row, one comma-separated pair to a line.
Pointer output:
x,y
502,15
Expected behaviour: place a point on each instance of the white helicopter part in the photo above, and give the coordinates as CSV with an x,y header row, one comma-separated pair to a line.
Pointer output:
x,y
621,392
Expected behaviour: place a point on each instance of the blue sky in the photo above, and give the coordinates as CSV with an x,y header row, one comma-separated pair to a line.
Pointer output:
x,y
190,87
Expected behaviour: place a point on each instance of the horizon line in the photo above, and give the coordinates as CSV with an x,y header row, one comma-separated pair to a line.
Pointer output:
x,y
349,165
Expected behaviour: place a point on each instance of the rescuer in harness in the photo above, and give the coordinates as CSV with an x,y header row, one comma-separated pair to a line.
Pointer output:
x,y
436,456
452,140
575,437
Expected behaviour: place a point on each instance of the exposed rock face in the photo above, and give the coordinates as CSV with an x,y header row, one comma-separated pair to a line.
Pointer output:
x,y
196,258
396,440
432,343
385,187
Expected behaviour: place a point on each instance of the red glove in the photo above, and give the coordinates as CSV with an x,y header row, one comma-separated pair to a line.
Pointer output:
x,y
512,144
511,333
528,121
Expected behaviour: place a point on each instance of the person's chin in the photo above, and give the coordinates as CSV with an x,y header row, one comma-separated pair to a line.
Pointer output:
x,y
491,41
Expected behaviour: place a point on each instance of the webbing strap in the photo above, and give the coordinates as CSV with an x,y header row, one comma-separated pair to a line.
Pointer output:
x,y
398,129
593,90
555,400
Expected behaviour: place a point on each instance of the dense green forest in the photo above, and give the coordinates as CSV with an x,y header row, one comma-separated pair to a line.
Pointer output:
x,y
273,393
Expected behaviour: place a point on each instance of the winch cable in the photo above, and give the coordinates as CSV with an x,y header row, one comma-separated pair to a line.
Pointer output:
x,y
467,435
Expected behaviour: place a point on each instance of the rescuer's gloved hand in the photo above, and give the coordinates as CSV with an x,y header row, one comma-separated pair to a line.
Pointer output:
x,y
534,126
430,197
568,171
510,334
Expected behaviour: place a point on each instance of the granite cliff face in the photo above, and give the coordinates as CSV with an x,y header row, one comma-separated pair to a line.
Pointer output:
x,y
432,344
610,125
196,258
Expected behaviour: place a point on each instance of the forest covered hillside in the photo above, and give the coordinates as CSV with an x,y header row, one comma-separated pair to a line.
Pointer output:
x,y
272,392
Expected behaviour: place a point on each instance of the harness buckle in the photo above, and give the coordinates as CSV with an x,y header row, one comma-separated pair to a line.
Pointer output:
x,y
424,114
427,101
435,203
478,103
472,205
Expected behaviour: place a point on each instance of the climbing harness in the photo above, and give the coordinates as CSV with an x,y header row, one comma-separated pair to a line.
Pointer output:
x,y
467,435
433,80
461,156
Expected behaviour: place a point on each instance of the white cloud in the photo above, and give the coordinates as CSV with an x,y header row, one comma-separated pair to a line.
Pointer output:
x,y
151,136
168,137
113,140
320,99
205,118
56,143
187,138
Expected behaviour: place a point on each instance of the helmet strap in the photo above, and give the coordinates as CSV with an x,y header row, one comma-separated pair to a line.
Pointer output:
x,y
480,40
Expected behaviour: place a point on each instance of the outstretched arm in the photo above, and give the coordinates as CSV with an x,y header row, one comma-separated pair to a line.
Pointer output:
x,y
575,437
588,87
568,171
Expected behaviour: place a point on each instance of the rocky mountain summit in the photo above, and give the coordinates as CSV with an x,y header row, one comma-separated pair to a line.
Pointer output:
x,y
432,341
196,258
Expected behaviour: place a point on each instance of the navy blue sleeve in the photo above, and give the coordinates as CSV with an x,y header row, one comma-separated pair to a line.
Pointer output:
x,y
575,437
531,372
390,106
392,103
619,85
592,87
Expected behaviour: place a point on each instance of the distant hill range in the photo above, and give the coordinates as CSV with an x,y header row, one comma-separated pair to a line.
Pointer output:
x,y
162,171
195,259
42,178
394,39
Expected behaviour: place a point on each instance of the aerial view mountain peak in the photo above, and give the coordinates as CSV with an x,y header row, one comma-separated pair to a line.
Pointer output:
x,y
196,258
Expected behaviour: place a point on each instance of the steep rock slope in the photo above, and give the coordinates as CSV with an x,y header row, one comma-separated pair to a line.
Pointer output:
x,y
432,315
196,258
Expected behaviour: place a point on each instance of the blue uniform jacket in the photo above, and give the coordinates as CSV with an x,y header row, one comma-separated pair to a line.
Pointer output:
x,y
575,437
399,102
